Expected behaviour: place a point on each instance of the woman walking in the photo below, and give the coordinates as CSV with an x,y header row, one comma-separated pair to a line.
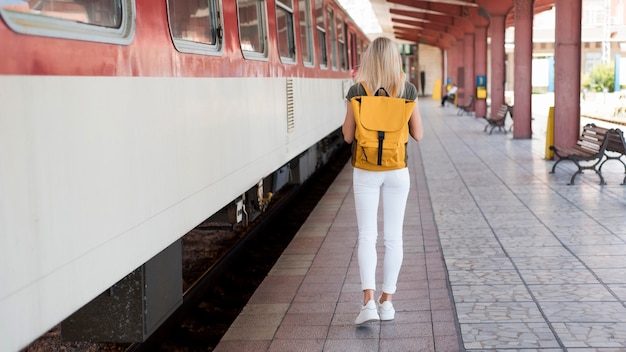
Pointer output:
x,y
381,67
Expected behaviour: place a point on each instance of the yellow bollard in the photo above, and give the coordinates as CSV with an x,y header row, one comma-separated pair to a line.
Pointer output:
x,y
550,134
437,90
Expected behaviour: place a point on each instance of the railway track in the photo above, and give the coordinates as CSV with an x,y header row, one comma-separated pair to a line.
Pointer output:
x,y
614,120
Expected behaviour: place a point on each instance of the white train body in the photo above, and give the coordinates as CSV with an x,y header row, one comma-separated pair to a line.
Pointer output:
x,y
109,152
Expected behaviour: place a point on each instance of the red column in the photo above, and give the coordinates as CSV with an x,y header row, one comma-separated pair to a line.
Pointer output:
x,y
445,62
469,86
453,60
498,71
567,72
480,42
523,68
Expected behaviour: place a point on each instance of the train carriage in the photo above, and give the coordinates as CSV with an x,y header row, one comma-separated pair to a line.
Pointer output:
x,y
127,123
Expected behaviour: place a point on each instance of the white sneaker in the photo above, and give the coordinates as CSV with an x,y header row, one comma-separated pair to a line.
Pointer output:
x,y
368,313
386,310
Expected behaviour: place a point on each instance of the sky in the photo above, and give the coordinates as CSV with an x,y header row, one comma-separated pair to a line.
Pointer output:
x,y
363,14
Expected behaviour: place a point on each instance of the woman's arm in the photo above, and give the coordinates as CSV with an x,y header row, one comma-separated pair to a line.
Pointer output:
x,y
349,124
416,130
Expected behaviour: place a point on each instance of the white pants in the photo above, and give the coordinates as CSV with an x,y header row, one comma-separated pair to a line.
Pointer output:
x,y
395,190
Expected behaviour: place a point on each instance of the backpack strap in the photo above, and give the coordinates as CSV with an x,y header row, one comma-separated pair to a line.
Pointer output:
x,y
367,91
384,90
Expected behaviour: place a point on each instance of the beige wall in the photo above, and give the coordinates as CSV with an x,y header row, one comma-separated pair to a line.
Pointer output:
x,y
430,61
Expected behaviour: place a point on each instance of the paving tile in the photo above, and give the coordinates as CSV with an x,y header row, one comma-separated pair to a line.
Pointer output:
x,y
487,263
471,242
521,223
557,277
264,308
272,297
588,312
411,344
505,336
243,345
590,239
532,262
304,296
485,277
365,331
604,261
279,345
491,293
619,291
592,335
395,330
301,332
454,230
288,271
350,345
307,319
476,312
465,252
280,283
567,229
311,307
250,332
600,249
524,349
521,238
571,292
537,250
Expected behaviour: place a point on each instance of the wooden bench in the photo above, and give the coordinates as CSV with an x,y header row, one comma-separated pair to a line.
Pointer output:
x,y
590,148
467,108
615,149
500,119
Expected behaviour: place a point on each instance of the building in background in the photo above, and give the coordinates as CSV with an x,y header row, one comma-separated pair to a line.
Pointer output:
x,y
603,40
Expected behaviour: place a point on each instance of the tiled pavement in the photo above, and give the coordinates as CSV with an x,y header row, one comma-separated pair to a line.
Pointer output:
x,y
500,255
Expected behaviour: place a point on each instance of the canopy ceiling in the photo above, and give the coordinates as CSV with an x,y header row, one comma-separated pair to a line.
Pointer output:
x,y
442,22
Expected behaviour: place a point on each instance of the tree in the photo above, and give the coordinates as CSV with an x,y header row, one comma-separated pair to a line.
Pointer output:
x,y
601,77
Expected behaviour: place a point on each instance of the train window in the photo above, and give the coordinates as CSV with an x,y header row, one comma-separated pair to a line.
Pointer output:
x,y
306,31
286,31
341,42
333,37
252,33
321,32
362,48
107,21
195,25
352,52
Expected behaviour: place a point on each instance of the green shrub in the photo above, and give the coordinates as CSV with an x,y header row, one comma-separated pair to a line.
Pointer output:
x,y
601,76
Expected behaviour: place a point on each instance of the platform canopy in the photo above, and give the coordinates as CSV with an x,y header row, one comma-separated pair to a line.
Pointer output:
x,y
442,23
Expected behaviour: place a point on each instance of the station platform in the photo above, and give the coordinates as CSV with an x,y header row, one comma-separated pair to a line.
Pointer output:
x,y
500,255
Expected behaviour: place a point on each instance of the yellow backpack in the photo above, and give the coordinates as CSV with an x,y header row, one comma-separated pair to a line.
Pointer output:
x,y
382,131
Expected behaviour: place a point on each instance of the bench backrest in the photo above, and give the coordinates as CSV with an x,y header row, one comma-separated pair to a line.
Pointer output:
x,y
469,103
616,142
504,109
593,139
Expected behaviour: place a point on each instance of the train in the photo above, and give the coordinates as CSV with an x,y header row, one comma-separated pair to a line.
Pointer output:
x,y
126,123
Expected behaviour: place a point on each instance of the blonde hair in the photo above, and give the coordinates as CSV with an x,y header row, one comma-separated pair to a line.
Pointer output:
x,y
381,67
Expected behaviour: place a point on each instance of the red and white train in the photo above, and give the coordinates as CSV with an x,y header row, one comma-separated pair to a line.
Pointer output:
x,y
126,123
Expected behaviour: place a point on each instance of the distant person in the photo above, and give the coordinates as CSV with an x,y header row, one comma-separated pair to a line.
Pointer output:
x,y
381,67
449,95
